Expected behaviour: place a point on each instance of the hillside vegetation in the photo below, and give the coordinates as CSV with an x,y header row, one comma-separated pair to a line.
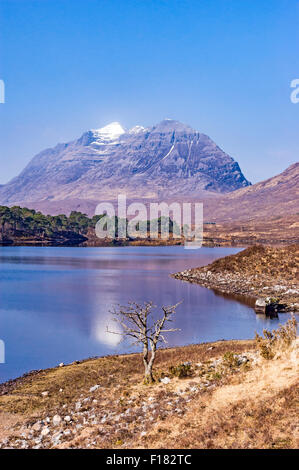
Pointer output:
x,y
228,394
258,271
279,263
26,226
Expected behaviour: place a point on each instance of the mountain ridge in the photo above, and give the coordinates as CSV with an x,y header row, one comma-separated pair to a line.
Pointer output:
x,y
275,196
166,160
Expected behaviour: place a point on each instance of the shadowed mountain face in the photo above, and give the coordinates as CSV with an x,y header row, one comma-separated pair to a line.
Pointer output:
x,y
165,161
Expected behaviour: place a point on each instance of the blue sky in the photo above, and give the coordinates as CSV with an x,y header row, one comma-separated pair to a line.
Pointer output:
x,y
222,66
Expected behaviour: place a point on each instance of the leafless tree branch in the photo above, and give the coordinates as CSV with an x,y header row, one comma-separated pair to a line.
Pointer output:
x,y
134,320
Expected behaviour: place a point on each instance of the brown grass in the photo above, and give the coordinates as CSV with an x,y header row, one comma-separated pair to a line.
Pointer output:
x,y
247,406
257,271
112,371
258,409
277,262
248,423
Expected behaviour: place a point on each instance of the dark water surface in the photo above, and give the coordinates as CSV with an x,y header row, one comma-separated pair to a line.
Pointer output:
x,y
55,302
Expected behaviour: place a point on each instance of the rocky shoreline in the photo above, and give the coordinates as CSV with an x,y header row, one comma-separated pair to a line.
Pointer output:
x,y
240,275
248,287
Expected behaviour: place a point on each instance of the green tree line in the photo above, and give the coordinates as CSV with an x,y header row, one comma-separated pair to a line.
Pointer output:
x,y
20,220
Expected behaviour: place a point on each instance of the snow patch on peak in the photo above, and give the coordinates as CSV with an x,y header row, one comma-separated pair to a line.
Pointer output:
x,y
137,130
110,132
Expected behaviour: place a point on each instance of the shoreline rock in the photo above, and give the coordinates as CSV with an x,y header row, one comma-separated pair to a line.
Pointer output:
x,y
243,275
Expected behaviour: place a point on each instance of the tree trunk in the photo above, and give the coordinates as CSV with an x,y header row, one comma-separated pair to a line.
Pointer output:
x,y
145,361
148,375
149,367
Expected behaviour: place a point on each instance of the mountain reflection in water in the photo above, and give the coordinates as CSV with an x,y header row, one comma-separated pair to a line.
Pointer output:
x,y
55,302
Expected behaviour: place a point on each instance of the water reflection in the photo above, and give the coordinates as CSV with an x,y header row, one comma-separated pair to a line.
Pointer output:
x,y
55,302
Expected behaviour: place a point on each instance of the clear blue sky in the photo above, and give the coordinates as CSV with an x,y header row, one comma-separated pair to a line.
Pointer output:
x,y
222,66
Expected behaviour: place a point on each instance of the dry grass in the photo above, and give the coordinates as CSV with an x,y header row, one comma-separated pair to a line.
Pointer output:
x,y
257,271
252,405
276,341
257,409
111,371
258,260
248,423
277,230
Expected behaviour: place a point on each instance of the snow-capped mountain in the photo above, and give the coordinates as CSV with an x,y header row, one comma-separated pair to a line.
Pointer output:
x,y
165,161
109,133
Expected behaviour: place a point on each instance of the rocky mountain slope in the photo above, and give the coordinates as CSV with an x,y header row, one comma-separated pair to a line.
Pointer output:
x,y
165,161
269,199
267,212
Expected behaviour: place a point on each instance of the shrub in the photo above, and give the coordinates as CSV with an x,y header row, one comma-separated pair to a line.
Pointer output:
x,y
181,371
272,300
230,359
216,376
118,442
276,340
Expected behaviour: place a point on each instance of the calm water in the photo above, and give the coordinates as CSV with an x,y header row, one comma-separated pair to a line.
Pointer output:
x,y
55,302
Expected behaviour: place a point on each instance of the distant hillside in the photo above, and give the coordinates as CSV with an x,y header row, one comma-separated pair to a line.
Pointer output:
x,y
277,196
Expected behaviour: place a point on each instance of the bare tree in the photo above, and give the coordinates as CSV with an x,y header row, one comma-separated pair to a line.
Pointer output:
x,y
136,323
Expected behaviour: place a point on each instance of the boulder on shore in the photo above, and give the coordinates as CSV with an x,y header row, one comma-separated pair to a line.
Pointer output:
x,y
260,306
269,307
